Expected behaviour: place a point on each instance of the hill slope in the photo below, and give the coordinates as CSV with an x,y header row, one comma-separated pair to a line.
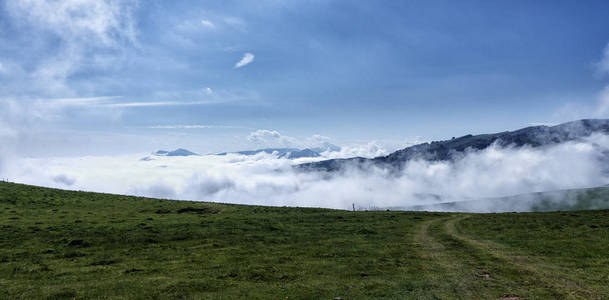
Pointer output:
x,y
57,244
534,136
563,200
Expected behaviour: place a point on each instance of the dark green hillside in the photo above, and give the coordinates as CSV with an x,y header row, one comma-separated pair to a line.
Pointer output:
x,y
58,244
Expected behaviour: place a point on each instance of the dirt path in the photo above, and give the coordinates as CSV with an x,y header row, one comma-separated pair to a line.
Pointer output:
x,y
446,274
549,275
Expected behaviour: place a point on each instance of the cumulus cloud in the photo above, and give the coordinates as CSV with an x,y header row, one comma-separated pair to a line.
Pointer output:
x,y
318,139
368,150
270,138
266,180
247,59
264,138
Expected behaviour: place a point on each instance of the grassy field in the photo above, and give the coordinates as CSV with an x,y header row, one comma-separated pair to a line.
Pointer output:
x,y
58,244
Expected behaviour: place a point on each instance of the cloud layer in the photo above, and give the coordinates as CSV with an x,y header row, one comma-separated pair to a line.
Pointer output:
x,y
266,180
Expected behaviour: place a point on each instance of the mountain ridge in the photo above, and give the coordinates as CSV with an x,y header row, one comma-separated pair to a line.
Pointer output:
x,y
534,136
177,152
289,153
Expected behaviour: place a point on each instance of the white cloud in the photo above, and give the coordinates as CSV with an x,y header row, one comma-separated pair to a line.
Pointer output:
x,y
95,21
209,91
207,23
147,104
82,27
22,114
266,180
247,59
317,139
47,105
369,150
192,127
270,138
111,102
263,138
79,100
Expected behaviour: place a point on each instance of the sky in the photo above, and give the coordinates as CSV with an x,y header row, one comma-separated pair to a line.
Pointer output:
x,y
97,77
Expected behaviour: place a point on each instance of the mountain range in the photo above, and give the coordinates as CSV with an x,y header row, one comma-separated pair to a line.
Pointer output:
x,y
290,153
533,136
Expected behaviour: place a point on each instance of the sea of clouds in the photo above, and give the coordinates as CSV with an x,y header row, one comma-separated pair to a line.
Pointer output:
x,y
264,179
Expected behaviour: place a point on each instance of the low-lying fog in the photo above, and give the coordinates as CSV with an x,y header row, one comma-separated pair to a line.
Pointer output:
x,y
266,180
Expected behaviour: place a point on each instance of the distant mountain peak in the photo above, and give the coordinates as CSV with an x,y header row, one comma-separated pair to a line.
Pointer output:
x,y
177,152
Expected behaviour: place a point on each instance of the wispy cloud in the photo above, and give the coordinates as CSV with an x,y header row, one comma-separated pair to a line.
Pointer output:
x,y
113,101
192,127
542,124
247,59
79,29
82,100
145,104
207,23
161,103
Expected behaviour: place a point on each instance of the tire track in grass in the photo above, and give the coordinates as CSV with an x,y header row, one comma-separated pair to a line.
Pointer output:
x,y
454,268
552,276
448,276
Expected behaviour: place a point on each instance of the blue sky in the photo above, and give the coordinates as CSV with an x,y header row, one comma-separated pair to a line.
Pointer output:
x,y
119,76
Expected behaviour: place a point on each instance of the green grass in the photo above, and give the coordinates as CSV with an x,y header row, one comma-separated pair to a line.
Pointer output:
x,y
58,244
